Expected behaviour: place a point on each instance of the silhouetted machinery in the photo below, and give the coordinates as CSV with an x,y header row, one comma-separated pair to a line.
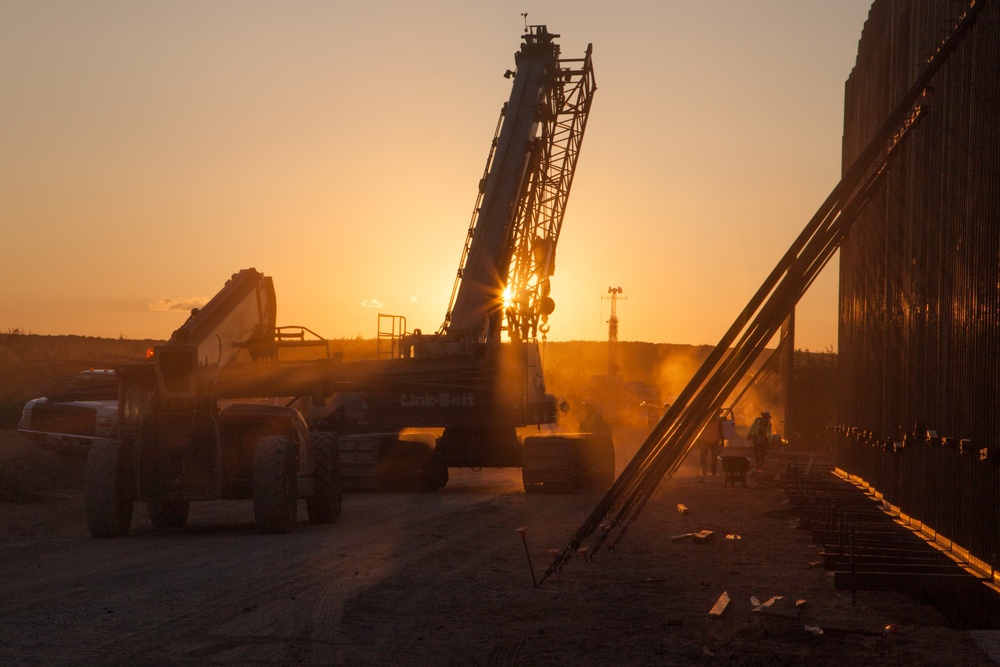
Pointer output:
x,y
178,443
194,425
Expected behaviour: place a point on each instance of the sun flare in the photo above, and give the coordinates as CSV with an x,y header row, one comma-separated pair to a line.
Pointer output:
x,y
507,298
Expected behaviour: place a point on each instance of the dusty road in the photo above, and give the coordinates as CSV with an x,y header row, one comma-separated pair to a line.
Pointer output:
x,y
216,591
440,579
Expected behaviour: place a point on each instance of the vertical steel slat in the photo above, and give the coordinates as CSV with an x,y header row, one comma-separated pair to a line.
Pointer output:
x,y
919,338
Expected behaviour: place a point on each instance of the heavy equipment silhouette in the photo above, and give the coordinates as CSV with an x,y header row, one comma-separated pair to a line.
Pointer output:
x,y
188,431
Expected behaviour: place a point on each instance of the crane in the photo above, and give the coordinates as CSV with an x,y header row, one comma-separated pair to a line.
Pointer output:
x,y
188,431
509,255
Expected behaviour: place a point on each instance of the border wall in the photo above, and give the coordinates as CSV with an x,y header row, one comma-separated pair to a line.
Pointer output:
x,y
919,311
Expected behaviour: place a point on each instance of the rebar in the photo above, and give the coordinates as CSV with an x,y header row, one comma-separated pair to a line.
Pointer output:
x,y
672,438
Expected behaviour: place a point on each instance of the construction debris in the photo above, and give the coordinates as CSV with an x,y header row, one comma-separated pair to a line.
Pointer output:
x,y
720,374
720,605
778,606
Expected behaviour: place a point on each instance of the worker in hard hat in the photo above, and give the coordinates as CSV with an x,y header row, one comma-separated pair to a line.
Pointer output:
x,y
759,436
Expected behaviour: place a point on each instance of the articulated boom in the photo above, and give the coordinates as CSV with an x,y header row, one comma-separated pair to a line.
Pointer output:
x,y
240,317
509,254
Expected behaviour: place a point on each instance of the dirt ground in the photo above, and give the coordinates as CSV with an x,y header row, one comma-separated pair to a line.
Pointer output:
x,y
436,579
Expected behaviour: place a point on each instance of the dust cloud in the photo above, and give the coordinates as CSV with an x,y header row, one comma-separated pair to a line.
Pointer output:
x,y
650,374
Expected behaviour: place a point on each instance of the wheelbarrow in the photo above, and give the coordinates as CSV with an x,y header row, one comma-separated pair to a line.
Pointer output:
x,y
735,465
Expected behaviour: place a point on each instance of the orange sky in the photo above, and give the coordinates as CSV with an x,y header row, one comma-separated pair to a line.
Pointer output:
x,y
150,150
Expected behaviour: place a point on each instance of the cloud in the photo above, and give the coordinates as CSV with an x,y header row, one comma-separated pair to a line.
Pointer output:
x,y
370,303
170,304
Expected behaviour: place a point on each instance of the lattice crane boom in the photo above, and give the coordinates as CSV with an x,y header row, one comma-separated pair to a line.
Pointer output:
x,y
509,252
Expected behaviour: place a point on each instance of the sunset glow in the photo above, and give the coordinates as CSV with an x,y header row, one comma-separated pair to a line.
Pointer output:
x,y
150,151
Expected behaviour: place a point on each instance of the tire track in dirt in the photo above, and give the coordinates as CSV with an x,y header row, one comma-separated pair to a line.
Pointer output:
x,y
216,593
438,592
441,579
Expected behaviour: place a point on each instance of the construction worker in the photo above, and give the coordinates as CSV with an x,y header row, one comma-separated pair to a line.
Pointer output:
x,y
760,435
710,442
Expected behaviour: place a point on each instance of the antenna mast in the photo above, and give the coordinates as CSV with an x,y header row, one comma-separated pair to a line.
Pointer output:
x,y
613,331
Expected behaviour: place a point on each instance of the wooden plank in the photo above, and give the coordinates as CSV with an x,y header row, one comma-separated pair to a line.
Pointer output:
x,y
720,605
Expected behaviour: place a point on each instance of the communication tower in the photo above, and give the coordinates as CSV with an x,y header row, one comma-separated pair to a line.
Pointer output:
x,y
613,330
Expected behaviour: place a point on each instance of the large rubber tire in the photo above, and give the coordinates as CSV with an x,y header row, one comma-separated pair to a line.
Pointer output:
x,y
109,495
325,505
550,463
275,473
168,513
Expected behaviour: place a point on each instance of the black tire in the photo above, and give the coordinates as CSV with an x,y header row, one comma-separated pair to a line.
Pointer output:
x,y
275,473
325,505
109,494
168,513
